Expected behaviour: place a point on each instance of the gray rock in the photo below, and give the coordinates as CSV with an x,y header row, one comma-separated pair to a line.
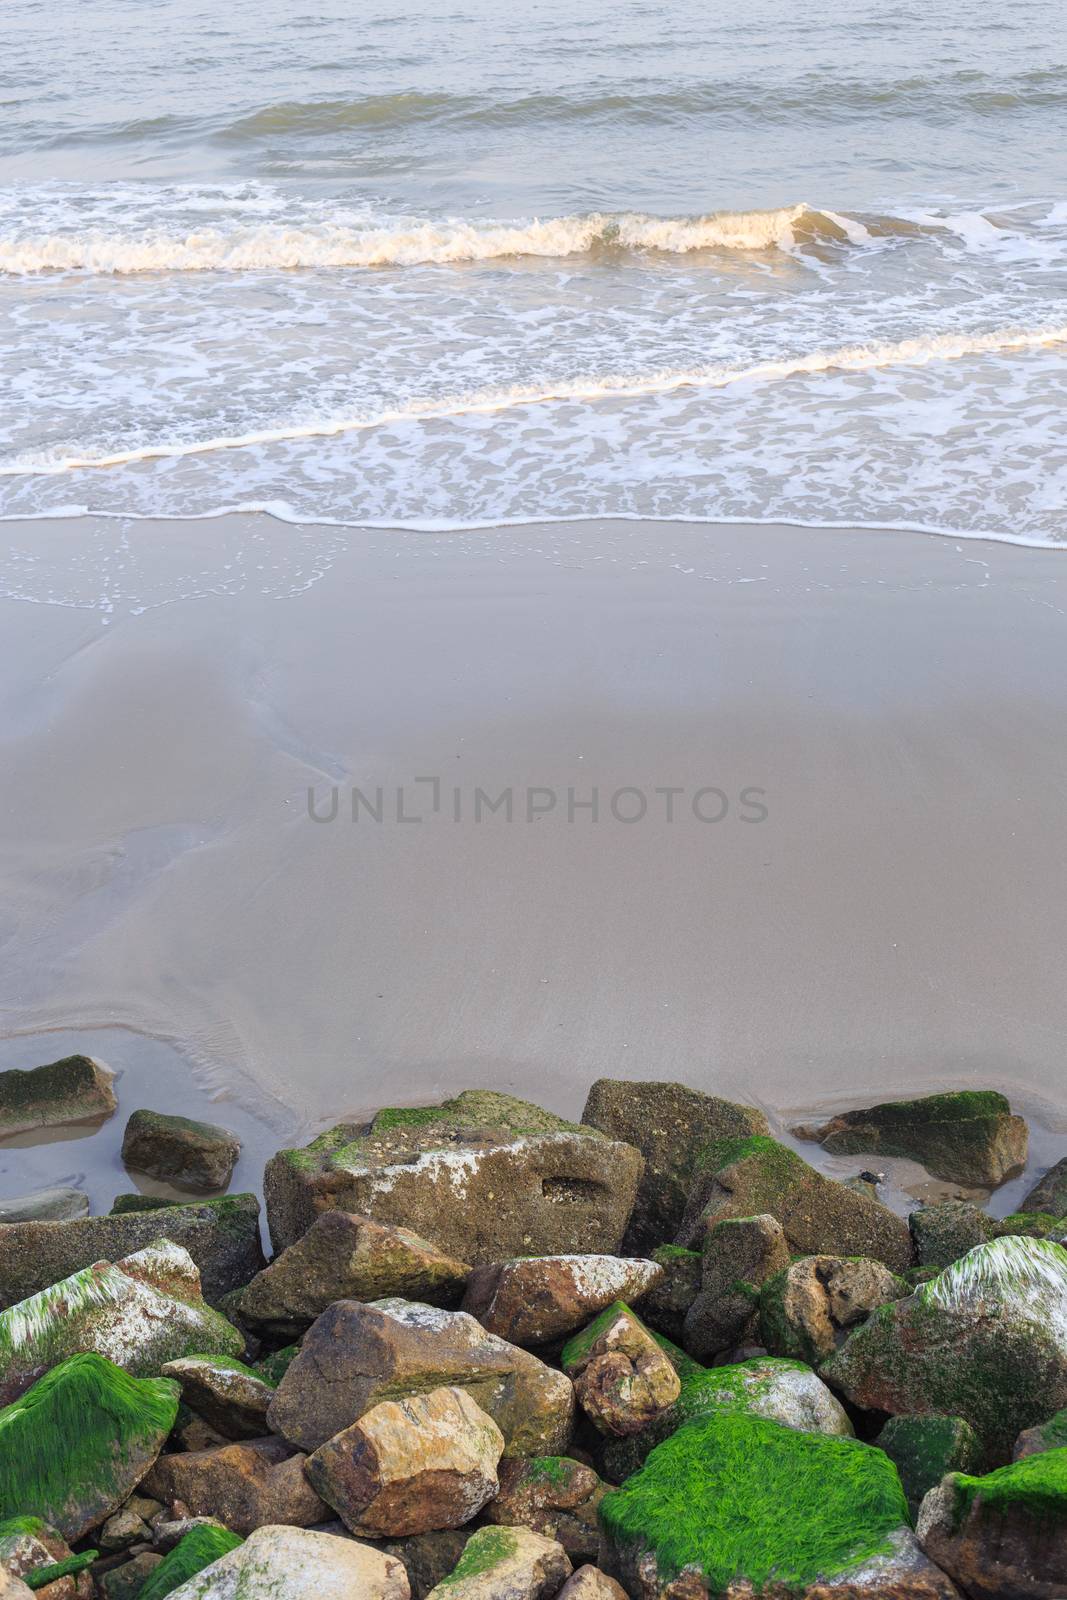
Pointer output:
x,y
667,1303
282,1563
75,1089
428,1557
45,1205
739,1255
925,1449
506,1564
966,1136
229,1396
126,1581
192,1155
1049,1195
998,1545
944,1232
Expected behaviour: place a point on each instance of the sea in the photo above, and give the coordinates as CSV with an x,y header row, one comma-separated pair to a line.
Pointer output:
x,y
466,264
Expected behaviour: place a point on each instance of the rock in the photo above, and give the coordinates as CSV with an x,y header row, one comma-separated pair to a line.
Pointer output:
x,y
985,1340
76,1089
45,1205
742,1505
739,1255
764,1386
808,1309
554,1496
1031,1225
168,1530
74,1446
191,1155
589,1583
968,1136
395,1347
13,1588
757,1176
533,1300
924,1449
29,1546
197,1550
506,1564
272,1368
944,1232
222,1236
229,1396
1050,1435
670,1125
281,1563
428,1558
410,1466
342,1257
246,1486
484,1176
1003,1536
667,1303
129,1581
622,1379
139,1313
122,1530
1049,1194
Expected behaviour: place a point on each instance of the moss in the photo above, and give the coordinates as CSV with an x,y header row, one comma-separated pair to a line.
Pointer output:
x,y
197,1550
924,1448
555,1470
1030,1224
730,1388
743,1498
272,1368
229,1364
777,1157
19,1527
59,1569
1036,1485
484,1550
72,1440
664,1254
576,1349
1054,1432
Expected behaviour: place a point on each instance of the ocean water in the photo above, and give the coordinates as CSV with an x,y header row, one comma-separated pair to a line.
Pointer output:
x,y
463,264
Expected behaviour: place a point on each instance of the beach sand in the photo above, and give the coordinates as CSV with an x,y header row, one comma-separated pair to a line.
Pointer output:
x,y
895,923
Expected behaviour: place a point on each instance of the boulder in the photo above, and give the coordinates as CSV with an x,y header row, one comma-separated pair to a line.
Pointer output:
x,y
246,1485
222,1236
229,1396
622,1379
45,1205
410,1466
395,1348
139,1313
589,1583
734,1504
483,1176
758,1176
670,1125
985,1340
30,1547
1031,1225
968,1136
342,1257
74,1446
191,1155
428,1558
942,1233
76,1089
808,1309
197,1550
1002,1536
539,1298
740,1254
925,1449
1050,1435
282,1563
506,1564
1049,1194
554,1496
667,1303
122,1530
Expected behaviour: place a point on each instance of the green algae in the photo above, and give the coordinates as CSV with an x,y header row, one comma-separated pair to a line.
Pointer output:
x,y
555,1470
1053,1433
740,1497
1036,1485
77,1442
484,1550
272,1368
59,1569
1030,1225
197,1550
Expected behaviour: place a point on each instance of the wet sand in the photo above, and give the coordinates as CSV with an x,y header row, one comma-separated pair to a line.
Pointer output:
x,y
894,923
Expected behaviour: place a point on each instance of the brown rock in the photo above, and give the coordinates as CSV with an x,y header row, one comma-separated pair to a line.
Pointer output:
x,y
667,1303
395,1348
589,1583
533,1300
739,1255
428,1557
622,1379
506,1564
229,1397
76,1089
554,1495
995,1550
245,1486
192,1155
127,1581
807,1309
410,1466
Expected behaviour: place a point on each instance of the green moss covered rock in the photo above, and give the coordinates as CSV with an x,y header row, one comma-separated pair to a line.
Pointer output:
x,y
75,1089
193,1155
968,1136
740,1254
1004,1534
197,1550
75,1445
506,1562
925,1449
666,1305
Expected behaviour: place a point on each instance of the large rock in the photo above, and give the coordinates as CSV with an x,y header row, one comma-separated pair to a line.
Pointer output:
x,y
670,1125
740,1254
925,1449
735,1504
229,1396
808,1309
396,1348
29,1546
140,1313
248,1485
75,1445
667,1303
281,1563
942,1233
1004,1536
191,1155
222,1236
506,1564
342,1257
410,1466
968,1136
985,1340
483,1176
198,1549
1049,1194
45,1205
76,1089
622,1379
554,1496
539,1298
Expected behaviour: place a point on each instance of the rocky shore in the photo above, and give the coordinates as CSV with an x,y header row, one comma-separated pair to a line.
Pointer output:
x,y
496,1355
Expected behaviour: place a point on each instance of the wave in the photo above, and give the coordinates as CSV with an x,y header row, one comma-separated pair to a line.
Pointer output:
x,y
853,358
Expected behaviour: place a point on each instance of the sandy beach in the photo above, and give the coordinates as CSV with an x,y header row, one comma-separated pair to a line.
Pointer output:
x,y
892,703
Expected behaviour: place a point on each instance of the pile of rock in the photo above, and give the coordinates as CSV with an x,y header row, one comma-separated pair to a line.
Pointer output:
x,y
500,1356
